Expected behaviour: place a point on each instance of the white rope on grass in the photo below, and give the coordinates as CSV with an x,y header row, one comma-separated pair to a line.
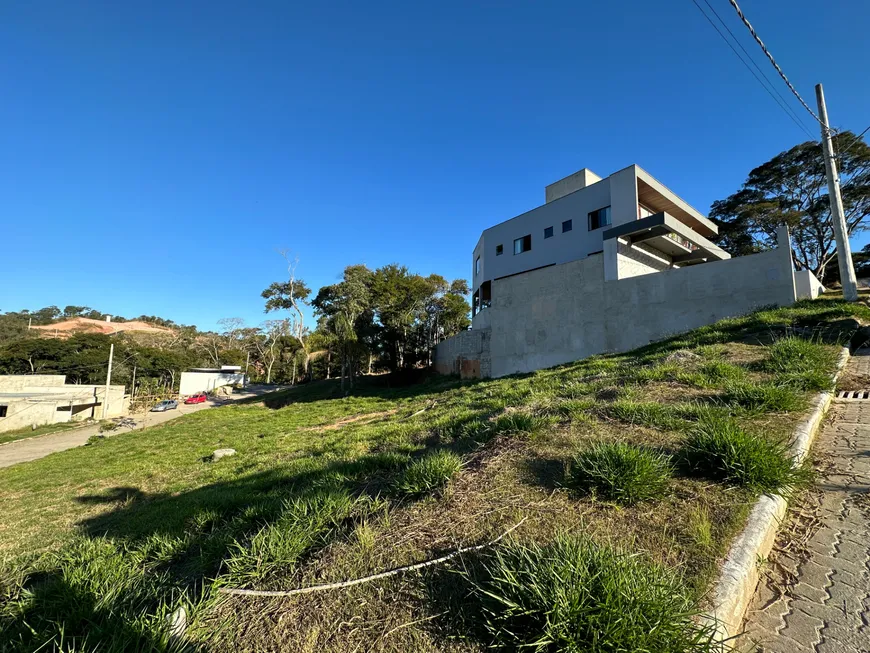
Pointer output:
x,y
359,581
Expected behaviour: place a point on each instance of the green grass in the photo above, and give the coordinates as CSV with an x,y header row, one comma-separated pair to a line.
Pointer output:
x,y
431,472
621,472
576,595
45,429
722,449
99,543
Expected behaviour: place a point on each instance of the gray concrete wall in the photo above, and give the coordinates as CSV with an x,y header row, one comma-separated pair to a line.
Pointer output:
x,y
568,312
17,382
806,285
21,414
637,260
465,354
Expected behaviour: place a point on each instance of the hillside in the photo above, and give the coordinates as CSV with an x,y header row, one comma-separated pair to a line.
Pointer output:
x,y
72,326
621,478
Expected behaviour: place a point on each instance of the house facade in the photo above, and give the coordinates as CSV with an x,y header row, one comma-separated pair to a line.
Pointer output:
x,y
605,265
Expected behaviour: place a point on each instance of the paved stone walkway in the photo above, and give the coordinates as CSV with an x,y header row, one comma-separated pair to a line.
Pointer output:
x,y
815,594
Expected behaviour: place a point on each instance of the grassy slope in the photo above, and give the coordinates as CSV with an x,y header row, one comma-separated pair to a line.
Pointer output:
x,y
312,494
45,429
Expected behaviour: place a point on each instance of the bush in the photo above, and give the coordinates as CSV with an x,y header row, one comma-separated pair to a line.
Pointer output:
x,y
621,472
720,448
428,473
575,595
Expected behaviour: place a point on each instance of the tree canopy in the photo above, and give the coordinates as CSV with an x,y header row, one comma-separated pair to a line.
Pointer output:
x,y
791,189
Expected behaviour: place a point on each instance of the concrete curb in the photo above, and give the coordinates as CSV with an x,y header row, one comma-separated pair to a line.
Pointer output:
x,y
736,585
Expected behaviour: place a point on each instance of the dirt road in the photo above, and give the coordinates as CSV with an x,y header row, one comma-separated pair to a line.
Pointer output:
x,y
21,451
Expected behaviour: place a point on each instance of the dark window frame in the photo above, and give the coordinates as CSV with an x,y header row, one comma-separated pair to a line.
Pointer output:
x,y
3,411
477,266
567,225
598,222
499,250
526,244
548,232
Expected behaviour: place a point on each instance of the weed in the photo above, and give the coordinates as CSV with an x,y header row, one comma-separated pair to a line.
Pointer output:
x,y
700,527
645,413
801,363
720,448
575,595
428,473
621,472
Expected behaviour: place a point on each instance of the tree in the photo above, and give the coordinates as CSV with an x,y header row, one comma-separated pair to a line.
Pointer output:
x,y
791,190
268,344
291,295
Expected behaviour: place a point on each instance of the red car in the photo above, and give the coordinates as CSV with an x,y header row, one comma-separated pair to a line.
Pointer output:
x,y
198,398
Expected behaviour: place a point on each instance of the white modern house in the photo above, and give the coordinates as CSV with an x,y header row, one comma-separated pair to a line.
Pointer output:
x,y
605,265
206,379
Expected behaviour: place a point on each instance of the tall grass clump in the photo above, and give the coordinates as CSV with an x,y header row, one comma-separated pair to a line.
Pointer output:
x,y
621,472
645,413
764,397
520,422
428,473
719,448
575,595
801,363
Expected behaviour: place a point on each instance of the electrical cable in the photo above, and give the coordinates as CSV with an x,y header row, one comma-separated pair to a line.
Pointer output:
x,y
783,102
773,61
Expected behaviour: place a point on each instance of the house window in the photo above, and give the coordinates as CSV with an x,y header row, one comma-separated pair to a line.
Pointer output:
x,y
3,410
477,265
568,225
599,218
548,232
523,244
499,250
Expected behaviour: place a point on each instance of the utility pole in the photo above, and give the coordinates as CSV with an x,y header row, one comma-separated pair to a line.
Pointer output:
x,y
108,380
247,360
133,385
844,251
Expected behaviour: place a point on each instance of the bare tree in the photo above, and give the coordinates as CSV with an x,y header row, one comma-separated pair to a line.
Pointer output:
x,y
291,295
268,345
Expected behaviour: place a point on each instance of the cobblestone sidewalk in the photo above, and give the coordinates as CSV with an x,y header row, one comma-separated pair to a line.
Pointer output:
x,y
816,594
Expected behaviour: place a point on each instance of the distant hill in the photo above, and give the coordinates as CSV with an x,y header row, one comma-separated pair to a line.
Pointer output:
x,y
75,325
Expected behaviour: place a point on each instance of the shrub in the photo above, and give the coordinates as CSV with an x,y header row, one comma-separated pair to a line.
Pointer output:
x,y
764,397
428,473
621,472
720,448
575,595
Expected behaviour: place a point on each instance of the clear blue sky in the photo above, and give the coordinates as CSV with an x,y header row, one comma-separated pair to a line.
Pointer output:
x,y
154,156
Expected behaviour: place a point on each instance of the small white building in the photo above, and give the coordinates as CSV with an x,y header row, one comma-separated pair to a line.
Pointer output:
x,y
205,379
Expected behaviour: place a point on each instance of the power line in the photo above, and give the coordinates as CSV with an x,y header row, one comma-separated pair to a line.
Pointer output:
x,y
781,104
773,61
855,141
784,103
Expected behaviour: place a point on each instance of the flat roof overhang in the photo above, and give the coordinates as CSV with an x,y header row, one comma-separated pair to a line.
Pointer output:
x,y
654,231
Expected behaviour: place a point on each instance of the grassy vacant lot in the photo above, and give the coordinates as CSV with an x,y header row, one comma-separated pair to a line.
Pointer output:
x,y
628,475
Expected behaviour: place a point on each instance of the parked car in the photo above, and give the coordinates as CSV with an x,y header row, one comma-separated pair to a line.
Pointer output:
x,y
166,404
198,398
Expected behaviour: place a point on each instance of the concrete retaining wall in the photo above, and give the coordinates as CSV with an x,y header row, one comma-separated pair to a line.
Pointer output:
x,y
806,285
465,354
567,312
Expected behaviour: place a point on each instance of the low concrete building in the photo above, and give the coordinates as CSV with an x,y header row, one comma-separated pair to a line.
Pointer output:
x,y
37,399
206,379
606,265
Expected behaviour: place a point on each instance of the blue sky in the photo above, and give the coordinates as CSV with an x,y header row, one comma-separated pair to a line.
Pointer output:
x,y
154,156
